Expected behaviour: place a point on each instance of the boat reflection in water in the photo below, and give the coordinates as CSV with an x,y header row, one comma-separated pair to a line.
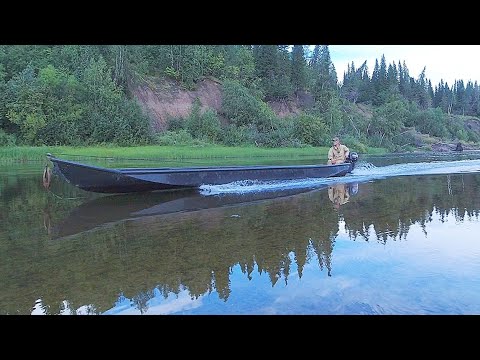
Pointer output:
x,y
392,248
163,246
111,209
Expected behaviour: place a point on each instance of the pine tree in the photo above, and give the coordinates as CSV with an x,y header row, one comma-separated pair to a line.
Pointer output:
x,y
459,105
392,81
365,89
382,74
326,76
272,64
315,56
420,93
298,68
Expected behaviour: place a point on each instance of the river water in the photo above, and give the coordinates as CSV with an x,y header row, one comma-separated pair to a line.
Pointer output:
x,y
397,236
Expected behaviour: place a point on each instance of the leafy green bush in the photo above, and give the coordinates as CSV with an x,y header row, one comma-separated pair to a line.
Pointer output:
x,y
7,139
282,136
211,126
59,133
404,139
431,121
243,109
310,129
232,135
409,148
203,126
169,138
354,144
472,136
388,119
171,72
131,126
277,87
277,140
175,123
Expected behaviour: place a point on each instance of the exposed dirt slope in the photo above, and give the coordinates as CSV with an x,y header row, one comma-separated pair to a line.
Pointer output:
x,y
162,99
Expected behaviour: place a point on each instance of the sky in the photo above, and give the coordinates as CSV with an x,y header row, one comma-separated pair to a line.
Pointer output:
x,y
447,62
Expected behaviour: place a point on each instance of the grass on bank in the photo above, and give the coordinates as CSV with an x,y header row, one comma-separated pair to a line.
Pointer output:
x,y
28,153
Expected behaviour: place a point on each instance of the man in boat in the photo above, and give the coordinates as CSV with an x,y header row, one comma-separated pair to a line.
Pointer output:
x,y
338,153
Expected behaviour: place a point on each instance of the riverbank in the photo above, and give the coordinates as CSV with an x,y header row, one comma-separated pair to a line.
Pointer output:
x,y
28,153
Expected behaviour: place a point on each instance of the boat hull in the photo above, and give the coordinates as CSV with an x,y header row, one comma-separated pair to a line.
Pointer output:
x,y
106,180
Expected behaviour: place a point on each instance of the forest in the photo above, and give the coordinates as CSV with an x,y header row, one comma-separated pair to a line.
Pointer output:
x,y
81,95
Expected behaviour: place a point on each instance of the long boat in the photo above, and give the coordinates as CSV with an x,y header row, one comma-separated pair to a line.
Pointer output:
x,y
127,180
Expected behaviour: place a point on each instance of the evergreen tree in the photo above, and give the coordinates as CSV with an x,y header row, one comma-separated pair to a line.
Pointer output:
x,y
376,83
315,56
430,92
326,78
382,74
265,57
393,82
366,87
405,86
298,68
459,105
420,91
353,86
273,68
240,65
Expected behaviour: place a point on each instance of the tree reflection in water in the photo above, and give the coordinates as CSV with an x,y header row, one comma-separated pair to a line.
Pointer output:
x,y
196,250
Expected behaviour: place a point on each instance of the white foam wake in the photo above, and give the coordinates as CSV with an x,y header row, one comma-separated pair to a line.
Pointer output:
x,y
363,172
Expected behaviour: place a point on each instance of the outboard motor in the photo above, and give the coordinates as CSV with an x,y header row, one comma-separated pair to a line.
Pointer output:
x,y
352,158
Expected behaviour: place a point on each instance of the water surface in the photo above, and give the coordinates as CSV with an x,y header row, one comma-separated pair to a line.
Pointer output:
x,y
397,236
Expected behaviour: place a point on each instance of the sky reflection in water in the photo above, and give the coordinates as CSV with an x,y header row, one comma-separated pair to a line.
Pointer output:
x,y
401,245
432,271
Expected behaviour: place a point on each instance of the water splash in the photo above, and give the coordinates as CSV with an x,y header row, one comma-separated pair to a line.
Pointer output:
x,y
363,172
249,186
418,168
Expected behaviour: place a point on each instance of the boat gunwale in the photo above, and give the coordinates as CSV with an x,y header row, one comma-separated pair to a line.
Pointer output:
x,y
137,171
99,168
